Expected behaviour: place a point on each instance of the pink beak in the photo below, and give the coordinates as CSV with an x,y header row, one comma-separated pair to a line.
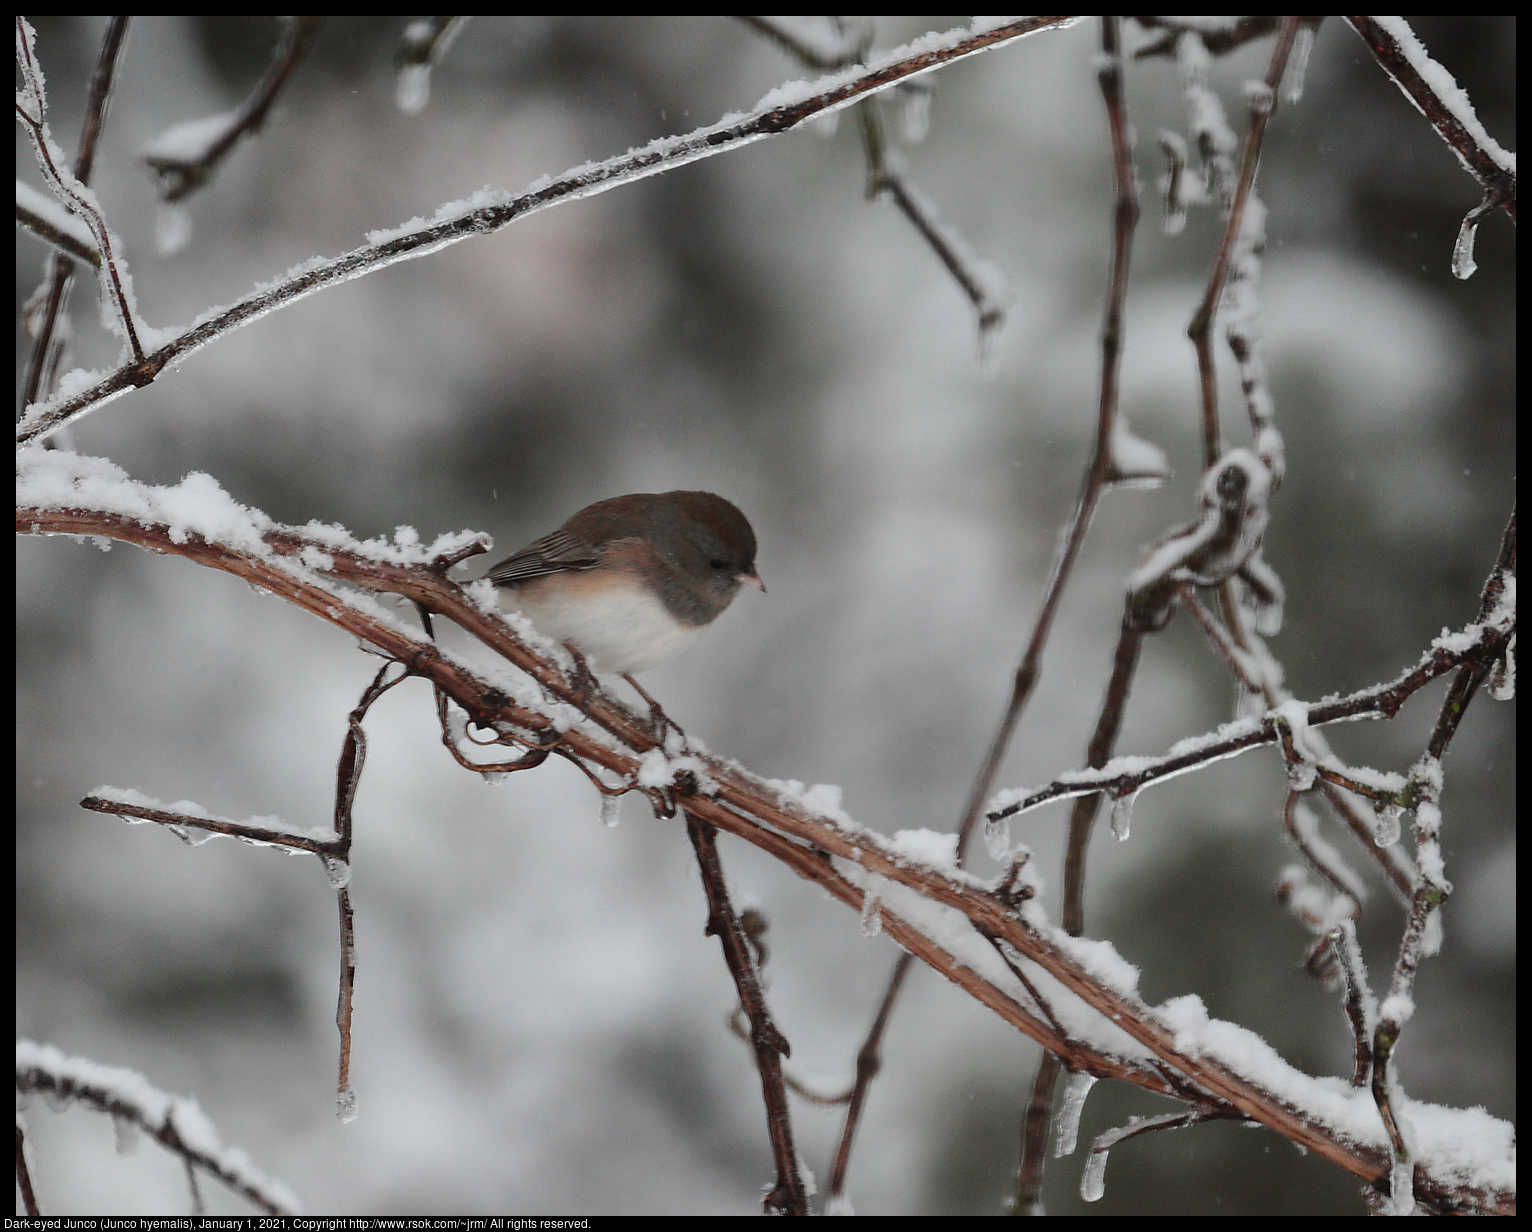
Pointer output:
x,y
751,579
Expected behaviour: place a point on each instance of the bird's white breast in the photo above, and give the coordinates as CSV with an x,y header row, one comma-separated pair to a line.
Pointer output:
x,y
616,624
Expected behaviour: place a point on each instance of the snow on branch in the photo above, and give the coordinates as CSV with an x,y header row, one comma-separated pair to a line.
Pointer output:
x,y
974,933
782,110
1437,96
137,1106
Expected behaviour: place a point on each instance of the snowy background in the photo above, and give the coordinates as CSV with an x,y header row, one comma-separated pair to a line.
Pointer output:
x,y
539,1019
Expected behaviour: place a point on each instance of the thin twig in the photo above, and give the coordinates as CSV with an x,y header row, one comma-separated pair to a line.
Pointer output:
x,y
1201,328
227,1165
32,111
869,1060
788,1196
1361,1005
1380,701
42,362
179,176
24,1173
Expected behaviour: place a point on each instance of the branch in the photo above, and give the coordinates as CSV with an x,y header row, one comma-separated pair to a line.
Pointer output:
x,y
1481,641
134,1105
32,111
788,1196
916,902
781,111
48,347
1442,101
185,156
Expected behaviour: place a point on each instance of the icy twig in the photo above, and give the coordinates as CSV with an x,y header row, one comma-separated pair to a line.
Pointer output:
x,y
1361,1005
1442,101
176,1123
781,111
1479,641
849,43
788,1196
54,230
1262,104
1093,1176
32,112
185,158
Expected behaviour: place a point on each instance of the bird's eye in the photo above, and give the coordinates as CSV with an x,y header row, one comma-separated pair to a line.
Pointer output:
x,y
719,564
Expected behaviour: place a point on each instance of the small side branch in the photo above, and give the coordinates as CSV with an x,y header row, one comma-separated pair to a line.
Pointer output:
x,y
1402,57
136,1106
788,1196
32,112
181,174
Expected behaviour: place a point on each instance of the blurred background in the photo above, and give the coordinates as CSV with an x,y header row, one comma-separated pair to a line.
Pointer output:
x,y
540,1023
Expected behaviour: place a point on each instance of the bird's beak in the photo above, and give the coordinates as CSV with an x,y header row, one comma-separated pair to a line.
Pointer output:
x,y
751,579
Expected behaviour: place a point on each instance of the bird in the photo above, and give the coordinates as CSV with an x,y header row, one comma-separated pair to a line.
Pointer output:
x,y
630,582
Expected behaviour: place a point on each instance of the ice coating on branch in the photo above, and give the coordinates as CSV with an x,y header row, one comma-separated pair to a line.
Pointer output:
x,y
1233,494
1444,85
1401,1181
129,1096
1386,823
997,838
871,916
345,1106
55,215
1298,64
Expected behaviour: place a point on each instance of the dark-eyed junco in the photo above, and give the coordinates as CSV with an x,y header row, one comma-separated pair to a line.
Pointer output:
x,y
632,581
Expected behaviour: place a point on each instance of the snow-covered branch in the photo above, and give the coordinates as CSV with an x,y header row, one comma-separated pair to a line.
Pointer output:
x,y
136,1106
949,918
784,109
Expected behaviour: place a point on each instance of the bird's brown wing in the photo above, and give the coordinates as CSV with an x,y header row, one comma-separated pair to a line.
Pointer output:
x,y
559,552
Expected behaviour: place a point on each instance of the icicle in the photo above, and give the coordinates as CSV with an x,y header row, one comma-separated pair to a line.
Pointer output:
x,y
412,88
125,1130
337,871
1463,264
1385,829
1298,64
1066,1125
825,124
997,839
1122,815
1093,1177
609,810
172,228
345,1106
872,918
1174,185
1301,774
1401,1183
1502,679
915,114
